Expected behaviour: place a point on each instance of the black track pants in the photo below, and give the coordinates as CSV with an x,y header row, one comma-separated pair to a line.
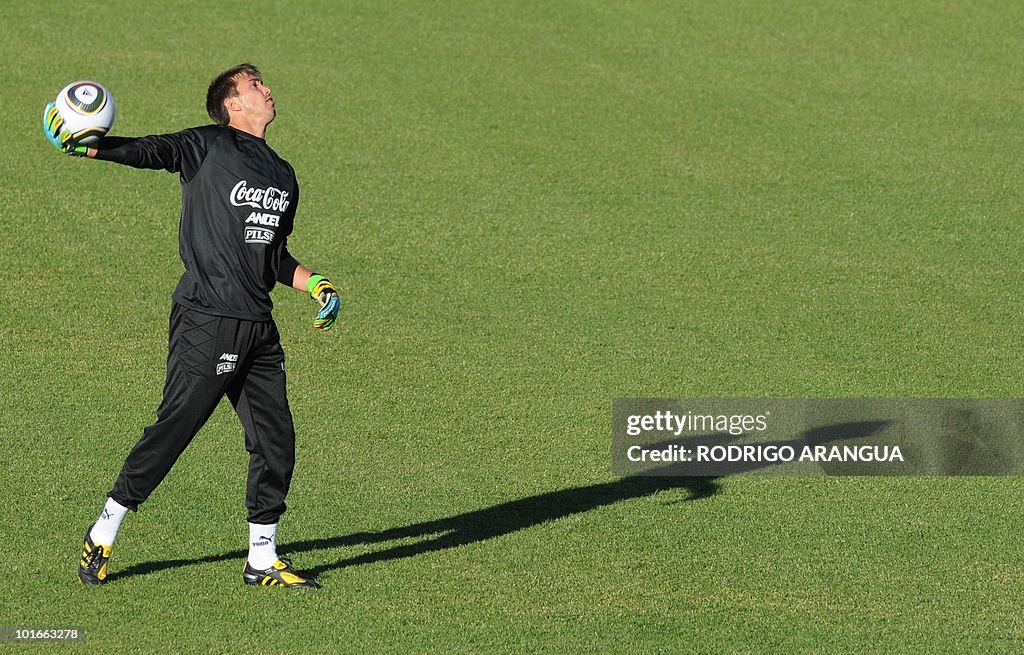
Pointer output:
x,y
209,357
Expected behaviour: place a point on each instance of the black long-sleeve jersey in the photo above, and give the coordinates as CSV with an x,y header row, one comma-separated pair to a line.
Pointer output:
x,y
238,201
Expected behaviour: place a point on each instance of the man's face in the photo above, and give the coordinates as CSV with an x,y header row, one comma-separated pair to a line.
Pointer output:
x,y
254,97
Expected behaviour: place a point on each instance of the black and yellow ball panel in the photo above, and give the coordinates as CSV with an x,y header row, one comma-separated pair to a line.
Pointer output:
x,y
93,133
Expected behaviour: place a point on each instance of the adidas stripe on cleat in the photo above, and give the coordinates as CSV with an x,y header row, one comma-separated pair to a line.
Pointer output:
x,y
281,574
92,568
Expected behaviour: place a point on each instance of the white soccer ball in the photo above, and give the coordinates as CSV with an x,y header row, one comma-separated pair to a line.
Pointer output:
x,y
87,109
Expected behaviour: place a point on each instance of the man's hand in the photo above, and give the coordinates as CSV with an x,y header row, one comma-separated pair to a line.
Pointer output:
x,y
53,124
321,290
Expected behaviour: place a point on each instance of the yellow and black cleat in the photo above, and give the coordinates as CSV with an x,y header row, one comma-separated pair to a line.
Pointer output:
x,y
281,574
92,568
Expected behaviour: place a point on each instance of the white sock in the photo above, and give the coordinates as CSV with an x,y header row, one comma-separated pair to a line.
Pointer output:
x,y
109,522
262,545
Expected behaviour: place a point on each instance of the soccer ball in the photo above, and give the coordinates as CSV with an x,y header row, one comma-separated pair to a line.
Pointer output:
x,y
87,109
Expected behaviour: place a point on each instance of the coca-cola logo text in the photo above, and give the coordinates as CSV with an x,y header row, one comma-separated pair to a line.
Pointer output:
x,y
270,198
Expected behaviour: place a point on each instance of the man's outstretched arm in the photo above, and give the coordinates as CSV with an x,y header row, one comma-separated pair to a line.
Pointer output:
x,y
181,152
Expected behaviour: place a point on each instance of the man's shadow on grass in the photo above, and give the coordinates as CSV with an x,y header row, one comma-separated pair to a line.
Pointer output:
x,y
505,518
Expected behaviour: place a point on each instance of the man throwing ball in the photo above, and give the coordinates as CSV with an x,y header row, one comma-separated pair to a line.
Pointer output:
x,y
238,208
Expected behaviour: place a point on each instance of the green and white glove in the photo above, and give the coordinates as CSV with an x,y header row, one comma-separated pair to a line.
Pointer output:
x,y
321,290
53,124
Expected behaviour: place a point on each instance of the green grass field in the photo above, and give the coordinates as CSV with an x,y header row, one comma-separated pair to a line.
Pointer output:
x,y
531,208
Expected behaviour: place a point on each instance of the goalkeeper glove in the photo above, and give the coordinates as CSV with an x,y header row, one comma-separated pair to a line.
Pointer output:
x,y
321,290
53,124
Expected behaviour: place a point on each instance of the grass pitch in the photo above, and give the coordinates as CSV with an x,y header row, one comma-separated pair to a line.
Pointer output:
x,y
530,208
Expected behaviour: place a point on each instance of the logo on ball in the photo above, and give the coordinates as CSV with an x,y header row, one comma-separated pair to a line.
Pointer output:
x,y
87,97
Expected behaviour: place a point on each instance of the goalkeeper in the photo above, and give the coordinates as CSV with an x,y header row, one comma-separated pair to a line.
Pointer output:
x,y
238,207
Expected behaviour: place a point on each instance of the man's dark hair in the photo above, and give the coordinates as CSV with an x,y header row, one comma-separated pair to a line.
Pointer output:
x,y
223,87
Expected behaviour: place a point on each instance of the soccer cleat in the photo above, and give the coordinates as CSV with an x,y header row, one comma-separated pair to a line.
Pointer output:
x,y
92,568
281,574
